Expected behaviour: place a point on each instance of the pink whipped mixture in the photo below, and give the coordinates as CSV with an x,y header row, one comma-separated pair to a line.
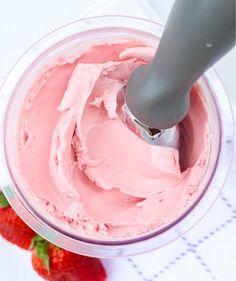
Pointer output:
x,y
79,162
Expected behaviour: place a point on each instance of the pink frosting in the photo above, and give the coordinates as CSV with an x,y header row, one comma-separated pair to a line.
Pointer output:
x,y
79,161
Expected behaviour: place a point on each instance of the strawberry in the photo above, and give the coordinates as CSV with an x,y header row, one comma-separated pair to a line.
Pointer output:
x,y
12,228
56,264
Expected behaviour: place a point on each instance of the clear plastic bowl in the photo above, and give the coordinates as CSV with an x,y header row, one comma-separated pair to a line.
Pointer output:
x,y
12,96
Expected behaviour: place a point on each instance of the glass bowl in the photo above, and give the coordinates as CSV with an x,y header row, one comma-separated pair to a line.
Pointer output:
x,y
13,93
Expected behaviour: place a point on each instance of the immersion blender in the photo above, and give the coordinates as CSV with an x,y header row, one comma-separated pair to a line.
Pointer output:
x,y
198,33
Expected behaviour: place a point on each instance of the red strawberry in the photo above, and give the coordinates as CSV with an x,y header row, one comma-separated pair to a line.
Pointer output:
x,y
12,228
55,264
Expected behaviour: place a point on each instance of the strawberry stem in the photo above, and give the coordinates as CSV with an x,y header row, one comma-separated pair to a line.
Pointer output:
x,y
3,201
41,247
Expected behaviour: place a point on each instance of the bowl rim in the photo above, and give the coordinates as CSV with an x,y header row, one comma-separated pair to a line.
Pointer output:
x,y
17,199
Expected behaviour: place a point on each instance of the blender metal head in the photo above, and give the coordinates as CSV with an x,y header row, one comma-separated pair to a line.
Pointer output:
x,y
158,92
168,137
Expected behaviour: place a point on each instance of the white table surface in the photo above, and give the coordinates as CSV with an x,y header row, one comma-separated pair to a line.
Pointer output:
x,y
208,251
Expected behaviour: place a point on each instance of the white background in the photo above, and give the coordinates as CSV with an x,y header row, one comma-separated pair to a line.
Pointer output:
x,y
24,22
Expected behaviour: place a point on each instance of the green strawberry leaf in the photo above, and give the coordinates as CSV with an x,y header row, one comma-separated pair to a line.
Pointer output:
x,y
3,201
41,246
42,253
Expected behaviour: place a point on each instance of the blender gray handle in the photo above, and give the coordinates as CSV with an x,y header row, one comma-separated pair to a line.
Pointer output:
x,y
197,34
